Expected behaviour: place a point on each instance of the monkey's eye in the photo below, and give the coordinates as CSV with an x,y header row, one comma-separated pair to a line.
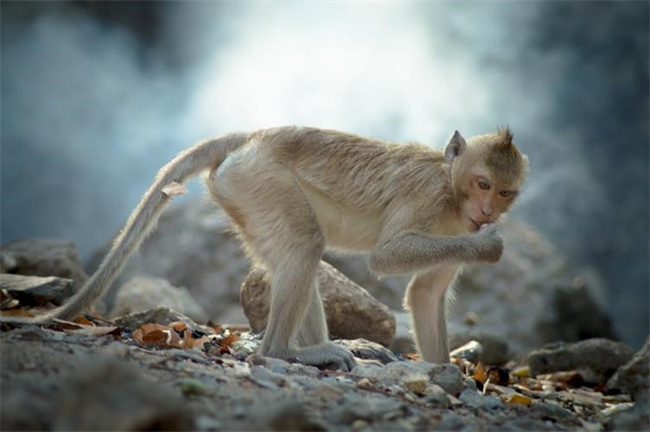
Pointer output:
x,y
483,184
506,194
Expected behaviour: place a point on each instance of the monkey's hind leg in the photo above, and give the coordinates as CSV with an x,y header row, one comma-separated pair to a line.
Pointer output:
x,y
281,231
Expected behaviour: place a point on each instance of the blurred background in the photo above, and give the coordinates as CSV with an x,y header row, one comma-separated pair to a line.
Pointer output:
x,y
96,96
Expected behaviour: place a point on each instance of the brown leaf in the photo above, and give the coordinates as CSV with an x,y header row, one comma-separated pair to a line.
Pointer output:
x,y
518,399
178,326
83,320
479,374
229,340
498,375
17,313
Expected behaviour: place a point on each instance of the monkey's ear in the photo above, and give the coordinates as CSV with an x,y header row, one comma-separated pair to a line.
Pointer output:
x,y
455,147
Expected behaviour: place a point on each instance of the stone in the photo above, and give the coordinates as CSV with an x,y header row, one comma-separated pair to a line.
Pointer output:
x,y
633,377
43,257
446,375
350,310
495,350
143,293
365,349
37,290
121,399
595,359
472,351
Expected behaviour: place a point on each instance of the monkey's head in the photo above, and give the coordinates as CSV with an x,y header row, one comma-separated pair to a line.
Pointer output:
x,y
487,172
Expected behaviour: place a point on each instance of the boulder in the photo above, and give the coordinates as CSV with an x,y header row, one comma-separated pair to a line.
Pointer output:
x,y
634,377
33,290
43,257
142,293
595,359
350,310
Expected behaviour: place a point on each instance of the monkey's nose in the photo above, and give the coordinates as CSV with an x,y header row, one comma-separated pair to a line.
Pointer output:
x,y
487,211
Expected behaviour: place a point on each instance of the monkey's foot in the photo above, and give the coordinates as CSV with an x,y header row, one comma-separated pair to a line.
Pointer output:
x,y
326,356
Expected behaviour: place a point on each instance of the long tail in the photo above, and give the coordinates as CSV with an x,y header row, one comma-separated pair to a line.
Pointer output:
x,y
206,154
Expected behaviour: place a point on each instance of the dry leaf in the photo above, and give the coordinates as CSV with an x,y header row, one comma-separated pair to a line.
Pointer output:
x,y
178,326
83,320
229,340
479,374
17,313
518,399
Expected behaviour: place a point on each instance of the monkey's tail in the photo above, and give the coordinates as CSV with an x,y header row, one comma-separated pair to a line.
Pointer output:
x,y
191,162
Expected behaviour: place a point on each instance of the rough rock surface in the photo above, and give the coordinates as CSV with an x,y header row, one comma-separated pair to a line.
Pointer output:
x,y
34,289
63,378
350,310
142,293
634,377
595,359
43,257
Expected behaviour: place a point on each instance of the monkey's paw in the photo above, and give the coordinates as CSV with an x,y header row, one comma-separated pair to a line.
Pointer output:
x,y
326,356
491,243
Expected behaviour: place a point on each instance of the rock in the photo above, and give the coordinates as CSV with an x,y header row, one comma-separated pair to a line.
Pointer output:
x,y
43,257
595,359
191,247
403,342
351,311
142,293
472,351
446,375
495,350
365,349
633,377
37,290
121,399
635,419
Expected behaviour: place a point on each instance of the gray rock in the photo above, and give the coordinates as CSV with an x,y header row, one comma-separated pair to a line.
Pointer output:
x,y
635,419
365,349
495,350
446,375
472,351
554,413
595,359
36,290
476,400
403,342
143,293
350,310
633,377
43,257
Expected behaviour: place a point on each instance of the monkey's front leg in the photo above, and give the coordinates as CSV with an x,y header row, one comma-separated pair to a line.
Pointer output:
x,y
426,300
410,252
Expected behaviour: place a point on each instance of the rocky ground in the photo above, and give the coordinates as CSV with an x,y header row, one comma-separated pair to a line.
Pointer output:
x,y
140,361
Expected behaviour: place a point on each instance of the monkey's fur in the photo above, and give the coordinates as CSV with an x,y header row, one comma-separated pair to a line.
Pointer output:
x,y
292,192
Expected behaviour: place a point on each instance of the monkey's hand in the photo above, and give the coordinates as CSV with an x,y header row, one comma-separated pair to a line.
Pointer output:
x,y
328,355
490,243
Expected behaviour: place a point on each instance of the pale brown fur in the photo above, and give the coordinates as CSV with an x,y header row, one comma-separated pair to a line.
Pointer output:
x,y
293,192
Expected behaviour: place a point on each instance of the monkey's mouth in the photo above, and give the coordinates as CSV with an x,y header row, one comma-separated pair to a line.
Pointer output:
x,y
475,224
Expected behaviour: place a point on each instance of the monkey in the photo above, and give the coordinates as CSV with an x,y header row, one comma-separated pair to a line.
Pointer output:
x,y
293,192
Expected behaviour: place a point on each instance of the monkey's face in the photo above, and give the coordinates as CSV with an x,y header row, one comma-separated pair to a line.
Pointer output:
x,y
484,199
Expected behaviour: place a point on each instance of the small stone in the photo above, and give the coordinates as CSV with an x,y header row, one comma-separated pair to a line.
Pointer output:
x,y
364,383
416,383
472,351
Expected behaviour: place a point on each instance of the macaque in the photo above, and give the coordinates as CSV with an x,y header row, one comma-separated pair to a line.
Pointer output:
x,y
293,192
